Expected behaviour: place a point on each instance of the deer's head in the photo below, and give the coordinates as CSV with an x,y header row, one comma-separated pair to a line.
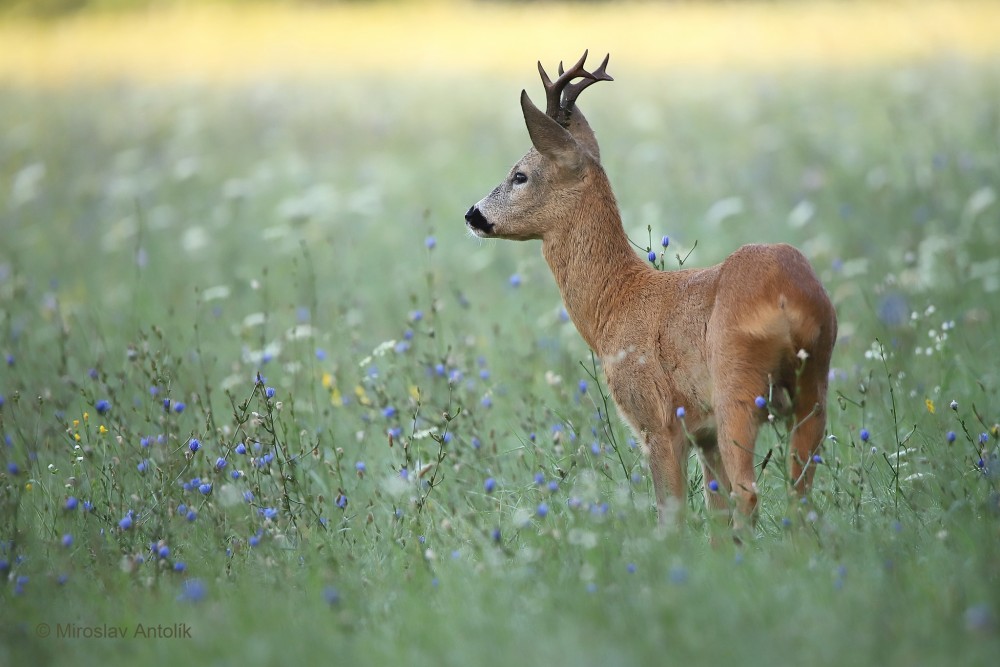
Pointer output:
x,y
545,185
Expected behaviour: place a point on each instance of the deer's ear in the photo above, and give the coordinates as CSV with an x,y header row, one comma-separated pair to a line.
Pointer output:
x,y
549,137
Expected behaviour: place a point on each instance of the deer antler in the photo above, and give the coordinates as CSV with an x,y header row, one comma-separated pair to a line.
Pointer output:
x,y
561,94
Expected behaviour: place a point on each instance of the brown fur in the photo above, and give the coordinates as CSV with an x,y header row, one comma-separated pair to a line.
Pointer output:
x,y
709,340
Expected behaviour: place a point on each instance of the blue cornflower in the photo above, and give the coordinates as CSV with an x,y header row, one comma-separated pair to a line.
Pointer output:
x,y
341,500
93,374
241,448
194,445
12,469
269,392
143,465
542,510
248,496
192,590
270,513
817,459
760,402
163,552
489,485
87,506
144,442
713,486
652,255
191,516
486,401
539,478
360,466
495,534
515,280
665,241
681,412
72,503
10,359
395,431
182,509
102,406
236,474
430,242
582,386
255,539
553,486
320,354
950,436
630,568
416,315
220,463
126,522
205,489
180,566
984,438
864,435
67,540
476,442
331,595
389,412
179,407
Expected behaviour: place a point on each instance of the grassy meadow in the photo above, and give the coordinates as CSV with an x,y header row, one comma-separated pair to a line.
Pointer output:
x,y
265,401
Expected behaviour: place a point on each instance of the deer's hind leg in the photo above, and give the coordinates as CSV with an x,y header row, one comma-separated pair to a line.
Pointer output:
x,y
714,474
808,423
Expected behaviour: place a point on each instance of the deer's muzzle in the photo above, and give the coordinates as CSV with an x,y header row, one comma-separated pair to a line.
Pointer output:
x,y
477,221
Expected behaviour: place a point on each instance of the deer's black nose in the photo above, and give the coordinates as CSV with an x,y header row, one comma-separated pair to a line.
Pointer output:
x,y
475,219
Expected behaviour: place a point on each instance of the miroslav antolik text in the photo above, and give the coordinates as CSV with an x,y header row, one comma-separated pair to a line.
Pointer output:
x,y
137,631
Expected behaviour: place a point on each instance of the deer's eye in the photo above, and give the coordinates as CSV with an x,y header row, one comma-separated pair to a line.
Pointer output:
x,y
520,178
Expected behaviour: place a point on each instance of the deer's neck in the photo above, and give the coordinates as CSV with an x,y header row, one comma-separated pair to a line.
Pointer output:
x,y
593,263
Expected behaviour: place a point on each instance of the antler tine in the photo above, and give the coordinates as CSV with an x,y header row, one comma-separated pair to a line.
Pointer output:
x,y
573,90
554,89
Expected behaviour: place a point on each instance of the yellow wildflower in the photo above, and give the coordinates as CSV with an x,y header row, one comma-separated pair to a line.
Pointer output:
x,y
327,380
363,399
102,430
930,405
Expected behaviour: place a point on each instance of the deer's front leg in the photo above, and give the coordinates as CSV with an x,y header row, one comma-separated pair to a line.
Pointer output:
x,y
645,404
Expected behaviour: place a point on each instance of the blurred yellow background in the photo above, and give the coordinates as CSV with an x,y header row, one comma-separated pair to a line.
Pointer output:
x,y
244,42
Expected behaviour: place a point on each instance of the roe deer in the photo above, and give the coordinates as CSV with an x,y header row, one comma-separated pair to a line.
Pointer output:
x,y
708,340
